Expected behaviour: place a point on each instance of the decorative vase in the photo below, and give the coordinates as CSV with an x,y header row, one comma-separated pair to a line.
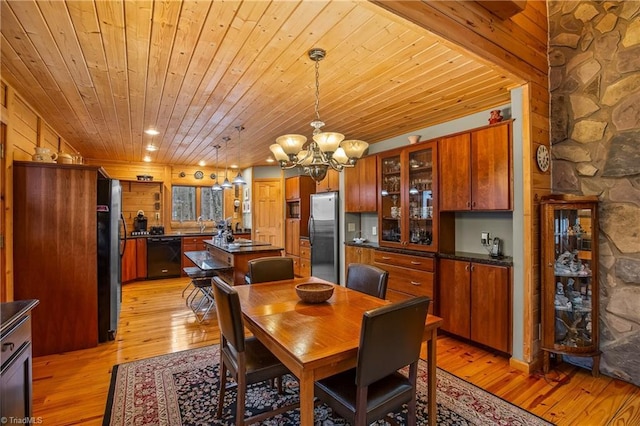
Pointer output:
x,y
414,139
496,116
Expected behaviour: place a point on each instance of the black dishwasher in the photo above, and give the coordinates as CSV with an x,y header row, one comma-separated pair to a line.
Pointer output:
x,y
163,257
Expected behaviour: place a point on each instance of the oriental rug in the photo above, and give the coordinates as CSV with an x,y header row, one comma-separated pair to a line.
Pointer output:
x,y
182,389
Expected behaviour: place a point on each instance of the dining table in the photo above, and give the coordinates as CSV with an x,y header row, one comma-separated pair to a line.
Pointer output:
x,y
318,340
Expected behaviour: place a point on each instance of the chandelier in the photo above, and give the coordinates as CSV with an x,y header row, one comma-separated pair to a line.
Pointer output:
x,y
327,149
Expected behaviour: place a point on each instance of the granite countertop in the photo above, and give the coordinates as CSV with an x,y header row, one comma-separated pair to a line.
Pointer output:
x,y
479,258
247,246
458,255
10,312
187,234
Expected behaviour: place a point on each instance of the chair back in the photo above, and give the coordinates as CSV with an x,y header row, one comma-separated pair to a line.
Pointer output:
x,y
367,279
274,268
390,338
229,313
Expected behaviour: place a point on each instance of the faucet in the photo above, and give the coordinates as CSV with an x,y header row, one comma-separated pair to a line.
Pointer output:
x,y
201,223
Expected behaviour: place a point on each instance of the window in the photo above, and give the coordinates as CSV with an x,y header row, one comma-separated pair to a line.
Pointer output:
x,y
189,202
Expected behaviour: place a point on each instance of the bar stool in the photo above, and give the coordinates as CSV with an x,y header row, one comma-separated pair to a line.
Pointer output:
x,y
200,299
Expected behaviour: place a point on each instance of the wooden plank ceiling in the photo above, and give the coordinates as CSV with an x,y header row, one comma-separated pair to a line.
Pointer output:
x,y
101,72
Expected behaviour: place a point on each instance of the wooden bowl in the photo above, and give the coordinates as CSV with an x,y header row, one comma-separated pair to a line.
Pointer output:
x,y
314,292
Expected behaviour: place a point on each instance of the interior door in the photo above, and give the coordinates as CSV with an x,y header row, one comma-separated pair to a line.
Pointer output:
x,y
268,211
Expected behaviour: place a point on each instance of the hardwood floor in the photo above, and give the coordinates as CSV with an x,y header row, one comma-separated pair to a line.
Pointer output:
x,y
72,388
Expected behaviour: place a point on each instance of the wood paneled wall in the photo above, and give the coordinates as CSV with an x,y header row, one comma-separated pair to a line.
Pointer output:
x,y
517,45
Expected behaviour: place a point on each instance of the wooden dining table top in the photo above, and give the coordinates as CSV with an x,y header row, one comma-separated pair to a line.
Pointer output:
x,y
311,331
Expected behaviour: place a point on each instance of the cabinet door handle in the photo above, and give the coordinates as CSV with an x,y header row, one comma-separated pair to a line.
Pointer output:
x,y
386,258
472,268
8,346
413,262
466,268
415,283
468,204
473,204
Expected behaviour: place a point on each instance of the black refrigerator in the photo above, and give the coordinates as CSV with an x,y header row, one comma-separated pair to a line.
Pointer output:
x,y
110,250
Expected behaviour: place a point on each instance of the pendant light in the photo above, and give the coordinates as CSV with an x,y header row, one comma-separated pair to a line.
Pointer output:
x,y
216,186
326,150
226,184
239,180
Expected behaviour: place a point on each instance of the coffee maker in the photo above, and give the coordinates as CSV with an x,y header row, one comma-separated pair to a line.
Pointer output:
x,y
140,224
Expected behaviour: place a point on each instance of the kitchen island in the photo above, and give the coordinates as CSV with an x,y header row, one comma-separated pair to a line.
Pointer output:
x,y
238,254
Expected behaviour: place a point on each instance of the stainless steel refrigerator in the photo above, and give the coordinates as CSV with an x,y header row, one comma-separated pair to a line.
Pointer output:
x,y
110,251
323,236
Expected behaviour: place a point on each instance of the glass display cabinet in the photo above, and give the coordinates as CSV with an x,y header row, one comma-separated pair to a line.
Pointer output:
x,y
569,244
408,211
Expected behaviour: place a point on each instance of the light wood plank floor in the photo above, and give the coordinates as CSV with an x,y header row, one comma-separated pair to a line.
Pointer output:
x,y
72,388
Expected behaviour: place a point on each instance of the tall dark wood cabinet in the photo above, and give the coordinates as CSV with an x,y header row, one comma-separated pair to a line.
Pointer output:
x,y
55,252
570,290
297,190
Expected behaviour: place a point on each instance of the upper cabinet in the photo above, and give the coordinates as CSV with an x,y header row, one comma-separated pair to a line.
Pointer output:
x,y
407,201
476,169
330,183
360,193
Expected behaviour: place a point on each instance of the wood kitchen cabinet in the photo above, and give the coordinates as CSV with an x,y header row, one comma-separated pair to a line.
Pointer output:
x,y
357,254
476,169
305,258
330,183
360,190
298,190
408,201
475,302
409,276
192,243
55,256
130,261
141,258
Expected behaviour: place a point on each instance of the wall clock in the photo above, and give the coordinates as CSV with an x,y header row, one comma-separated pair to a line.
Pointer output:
x,y
198,175
543,158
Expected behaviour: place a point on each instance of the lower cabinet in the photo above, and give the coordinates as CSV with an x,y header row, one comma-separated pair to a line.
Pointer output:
x,y
409,276
305,258
192,244
475,302
134,260
129,261
357,254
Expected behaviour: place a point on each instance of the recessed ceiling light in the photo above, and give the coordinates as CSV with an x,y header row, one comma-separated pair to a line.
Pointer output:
x,y
201,163
233,166
152,147
152,132
147,159
270,160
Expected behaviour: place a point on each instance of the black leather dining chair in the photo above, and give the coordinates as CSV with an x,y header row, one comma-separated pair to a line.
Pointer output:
x,y
248,360
367,279
390,339
272,268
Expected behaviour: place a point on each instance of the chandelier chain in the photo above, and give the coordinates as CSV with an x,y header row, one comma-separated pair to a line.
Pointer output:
x,y
317,106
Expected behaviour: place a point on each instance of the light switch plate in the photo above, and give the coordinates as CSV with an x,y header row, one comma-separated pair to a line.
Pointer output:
x,y
351,227
374,230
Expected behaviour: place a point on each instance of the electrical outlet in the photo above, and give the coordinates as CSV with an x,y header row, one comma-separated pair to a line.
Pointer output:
x,y
374,231
484,238
351,227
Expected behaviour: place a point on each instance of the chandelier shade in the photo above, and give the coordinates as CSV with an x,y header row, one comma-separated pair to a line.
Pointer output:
x,y
326,150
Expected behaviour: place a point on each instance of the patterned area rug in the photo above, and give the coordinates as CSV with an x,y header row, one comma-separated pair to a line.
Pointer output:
x,y
182,389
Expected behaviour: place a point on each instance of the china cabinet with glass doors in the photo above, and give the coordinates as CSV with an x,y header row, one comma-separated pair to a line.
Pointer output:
x,y
407,197
569,231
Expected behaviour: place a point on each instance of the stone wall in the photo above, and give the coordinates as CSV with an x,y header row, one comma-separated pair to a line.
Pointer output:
x,y
594,79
